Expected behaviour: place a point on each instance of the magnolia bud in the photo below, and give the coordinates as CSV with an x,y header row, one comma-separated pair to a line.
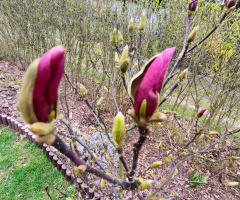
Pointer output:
x,y
120,37
99,51
114,36
119,130
47,189
124,67
83,90
105,88
230,6
157,164
192,6
183,76
168,159
192,35
99,103
146,184
131,26
200,114
142,23
102,184
231,184
212,133
124,56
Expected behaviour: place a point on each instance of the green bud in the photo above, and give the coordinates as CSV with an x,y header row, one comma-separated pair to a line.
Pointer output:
x,y
99,51
146,184
119,130
157,164
192,35
114,36
131,26
142,23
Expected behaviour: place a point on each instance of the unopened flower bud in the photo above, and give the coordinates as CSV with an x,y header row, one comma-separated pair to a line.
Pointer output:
x,y
183,76
120,37
183,154
124,56
131,26
47,189
192,6
99,102
99,51
160,144
146,184
102,184
142,23
168,159
114,36
200,114
212,133
119,130
230,6
192,35
231,184
105,88
124,67
83,90
157,164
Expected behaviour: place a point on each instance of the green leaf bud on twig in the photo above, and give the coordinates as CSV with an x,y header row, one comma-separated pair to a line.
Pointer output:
x,y
157,164
119,130
95,156
131,26
84,136
142,23
160,144
99,51
168,159
135,65
108,158
192,35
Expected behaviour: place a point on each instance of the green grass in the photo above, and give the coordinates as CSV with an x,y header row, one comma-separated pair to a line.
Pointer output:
x,y
25,170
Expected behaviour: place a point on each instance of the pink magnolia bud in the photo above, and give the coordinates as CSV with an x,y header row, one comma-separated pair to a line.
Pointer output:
x,y
230,4
192,6
45,93
47,188
38,97
147,85
200,114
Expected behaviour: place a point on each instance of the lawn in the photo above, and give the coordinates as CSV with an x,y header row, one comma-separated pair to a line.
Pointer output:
x,y
25,170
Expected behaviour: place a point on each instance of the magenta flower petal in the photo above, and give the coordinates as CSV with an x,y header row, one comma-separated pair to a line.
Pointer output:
x,y
192,6
152,81
50,71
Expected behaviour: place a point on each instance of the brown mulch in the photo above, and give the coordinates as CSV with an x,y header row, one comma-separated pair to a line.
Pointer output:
x,y
214,166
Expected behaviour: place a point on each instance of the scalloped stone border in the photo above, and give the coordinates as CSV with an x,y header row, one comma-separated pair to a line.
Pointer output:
x,y
22,129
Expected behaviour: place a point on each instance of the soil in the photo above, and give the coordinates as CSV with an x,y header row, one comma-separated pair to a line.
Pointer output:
x,y
216,165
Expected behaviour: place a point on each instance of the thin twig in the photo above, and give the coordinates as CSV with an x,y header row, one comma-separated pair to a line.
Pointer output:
x,y
138,53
